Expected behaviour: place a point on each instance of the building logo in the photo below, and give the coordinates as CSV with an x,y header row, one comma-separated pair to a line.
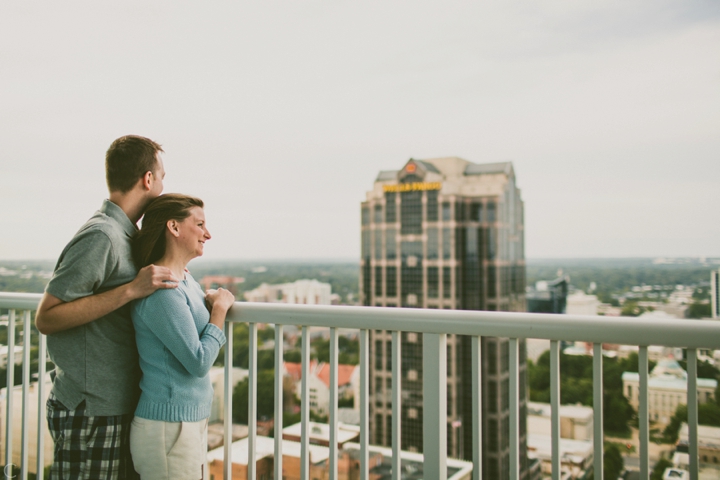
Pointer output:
x,y
413,187
410,168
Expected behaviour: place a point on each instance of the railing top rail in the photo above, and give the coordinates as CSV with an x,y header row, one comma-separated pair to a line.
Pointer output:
x,y
20,301
595,329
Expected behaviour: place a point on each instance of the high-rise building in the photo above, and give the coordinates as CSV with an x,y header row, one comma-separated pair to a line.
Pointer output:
x,y
446,233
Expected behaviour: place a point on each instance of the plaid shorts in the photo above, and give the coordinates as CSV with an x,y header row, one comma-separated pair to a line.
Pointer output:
x,y
86,447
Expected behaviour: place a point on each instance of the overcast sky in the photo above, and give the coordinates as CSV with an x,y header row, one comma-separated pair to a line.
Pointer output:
x,y
280,115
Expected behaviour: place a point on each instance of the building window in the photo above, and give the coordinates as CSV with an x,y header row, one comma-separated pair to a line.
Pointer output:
x,y
447,282
365,216
492,396
378,359
446,244
379,429
378,244
446,212
491,357
388,359
378,216
366,244
433,286
391,244
391,285
432,206
476,212
491,211
432,243
378,282
390,207
410,212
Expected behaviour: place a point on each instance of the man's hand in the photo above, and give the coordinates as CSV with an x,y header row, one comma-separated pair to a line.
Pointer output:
x,y
54,315
151,278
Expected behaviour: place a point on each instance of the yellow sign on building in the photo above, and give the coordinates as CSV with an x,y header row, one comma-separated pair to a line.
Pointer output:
x,y
413,187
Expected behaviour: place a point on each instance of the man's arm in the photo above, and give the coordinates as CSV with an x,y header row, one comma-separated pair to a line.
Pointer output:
x,y
54,315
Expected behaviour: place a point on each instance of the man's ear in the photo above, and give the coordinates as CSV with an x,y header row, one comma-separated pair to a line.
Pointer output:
x,y
172,226
147,180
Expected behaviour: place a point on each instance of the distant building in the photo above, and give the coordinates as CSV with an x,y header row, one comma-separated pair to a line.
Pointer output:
x,y
224,281
576,438
667,388
348,459
548,296
305,292
708,443
446,233
579,303
319,383
715,293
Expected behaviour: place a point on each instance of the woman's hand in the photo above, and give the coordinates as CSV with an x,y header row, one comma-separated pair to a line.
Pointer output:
x,y
220,299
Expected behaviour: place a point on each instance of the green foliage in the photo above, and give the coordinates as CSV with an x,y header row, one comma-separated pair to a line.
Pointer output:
x,y
265,397
659,469
348,350
699,310
576,386
241,347
613,463
708,414
631,309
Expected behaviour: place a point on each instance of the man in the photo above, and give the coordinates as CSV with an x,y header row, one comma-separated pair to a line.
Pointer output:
x,y
85,312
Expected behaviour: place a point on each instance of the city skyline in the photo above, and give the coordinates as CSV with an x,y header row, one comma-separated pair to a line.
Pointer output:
x,y
278,116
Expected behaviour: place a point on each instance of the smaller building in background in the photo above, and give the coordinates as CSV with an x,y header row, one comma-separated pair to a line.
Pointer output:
x,y
319,383
708,443
305,292
580,303
548,296
667,388
224,281
576,438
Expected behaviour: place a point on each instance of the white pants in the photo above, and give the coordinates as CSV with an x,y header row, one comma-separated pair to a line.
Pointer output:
x,y
169,450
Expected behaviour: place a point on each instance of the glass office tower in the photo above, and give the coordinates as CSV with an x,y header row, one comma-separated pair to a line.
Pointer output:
x,y
446,233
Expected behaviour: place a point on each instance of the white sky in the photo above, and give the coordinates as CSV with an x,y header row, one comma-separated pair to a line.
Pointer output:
x,y
280,115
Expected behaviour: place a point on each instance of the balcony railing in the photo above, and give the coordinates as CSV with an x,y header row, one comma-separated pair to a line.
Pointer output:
x,y
435,325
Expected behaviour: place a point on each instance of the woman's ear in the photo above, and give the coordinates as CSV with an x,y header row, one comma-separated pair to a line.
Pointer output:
x,y
172,226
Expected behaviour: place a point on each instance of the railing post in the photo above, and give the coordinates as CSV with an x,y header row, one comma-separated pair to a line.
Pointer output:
x,y
435,405
514,393
279,345
598,392
227,413
477,407
555,407
305,406
25,426
10,387
364,404
643,423
252,400
396,405
333,404
692,409
42,356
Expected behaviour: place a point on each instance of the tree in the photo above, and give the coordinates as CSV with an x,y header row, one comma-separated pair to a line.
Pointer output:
x,y
699,310
613,463
660,466
673,428
265,397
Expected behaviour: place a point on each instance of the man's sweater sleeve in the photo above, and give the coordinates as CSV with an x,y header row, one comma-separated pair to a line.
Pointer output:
x,y
167,314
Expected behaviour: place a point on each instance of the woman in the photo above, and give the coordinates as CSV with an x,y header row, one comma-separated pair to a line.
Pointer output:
x,y
178,340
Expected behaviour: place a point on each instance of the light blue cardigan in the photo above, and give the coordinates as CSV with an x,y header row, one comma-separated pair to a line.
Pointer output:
x,y
177,347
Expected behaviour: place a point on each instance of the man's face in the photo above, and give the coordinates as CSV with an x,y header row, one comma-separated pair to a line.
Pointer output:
x,y
157,177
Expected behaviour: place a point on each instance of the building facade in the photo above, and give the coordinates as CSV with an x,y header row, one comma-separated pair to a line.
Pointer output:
x,y
667,388
715,293
446,233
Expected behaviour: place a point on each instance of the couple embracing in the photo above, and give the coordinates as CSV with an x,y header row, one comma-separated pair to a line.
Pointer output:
x,y
131,333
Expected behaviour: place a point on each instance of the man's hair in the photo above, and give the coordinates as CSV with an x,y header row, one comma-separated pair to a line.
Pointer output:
x,y
148,244
128,159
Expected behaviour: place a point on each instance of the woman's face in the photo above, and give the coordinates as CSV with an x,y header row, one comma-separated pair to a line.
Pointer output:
x,y
193,233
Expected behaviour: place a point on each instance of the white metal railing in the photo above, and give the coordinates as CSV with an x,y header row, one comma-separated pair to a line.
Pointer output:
x,y
435,325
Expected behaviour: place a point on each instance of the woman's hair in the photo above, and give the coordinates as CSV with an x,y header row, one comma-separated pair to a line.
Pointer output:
x,y
148,244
